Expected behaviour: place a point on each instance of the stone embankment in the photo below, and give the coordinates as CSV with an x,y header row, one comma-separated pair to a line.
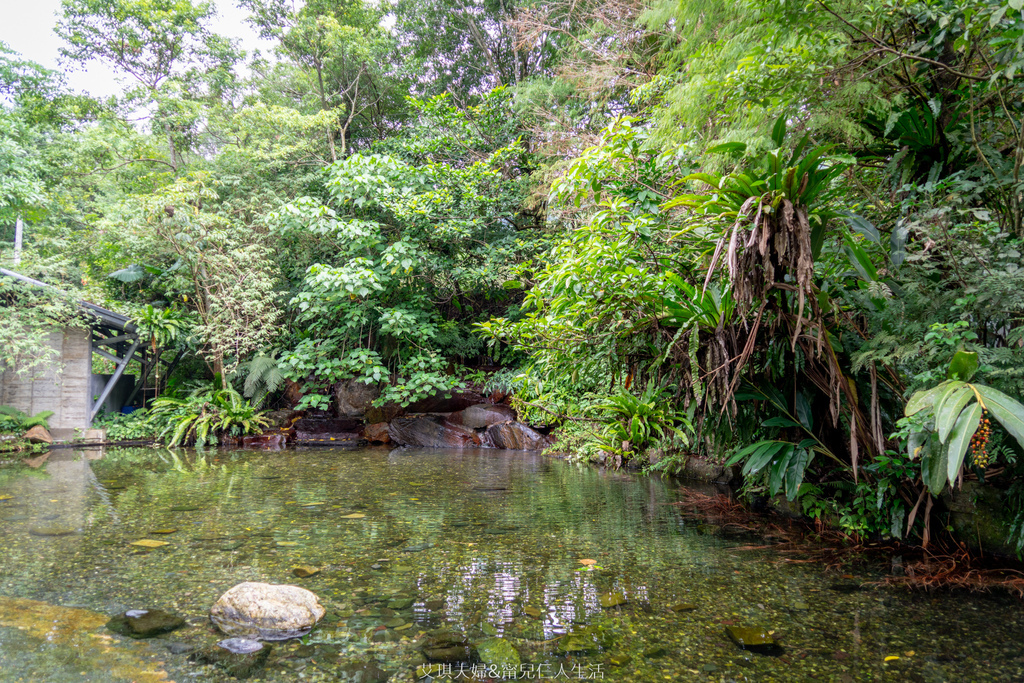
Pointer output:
x,y
460,420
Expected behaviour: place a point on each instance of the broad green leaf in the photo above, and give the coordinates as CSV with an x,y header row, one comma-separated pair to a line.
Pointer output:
x,y
728,148
779,468
947,412
795,474
924,399
860,260
779,422
963,366
1009,412
951,388
803,411
779,129
933,464
762,456
960,438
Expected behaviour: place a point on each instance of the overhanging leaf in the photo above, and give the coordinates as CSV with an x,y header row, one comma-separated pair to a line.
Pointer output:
x,y
1009,412
947,412
922,400
963,366
960,438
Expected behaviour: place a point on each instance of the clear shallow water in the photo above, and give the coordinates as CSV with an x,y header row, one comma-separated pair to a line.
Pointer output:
x,y
483,542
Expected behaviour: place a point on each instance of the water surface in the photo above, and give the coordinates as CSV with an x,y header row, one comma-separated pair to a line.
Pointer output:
x,y
487,543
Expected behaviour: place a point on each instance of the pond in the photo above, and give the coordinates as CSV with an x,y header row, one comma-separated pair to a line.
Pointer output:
x,y
587,574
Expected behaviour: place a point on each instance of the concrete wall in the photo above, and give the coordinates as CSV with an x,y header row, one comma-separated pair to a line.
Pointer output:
x,y
65,392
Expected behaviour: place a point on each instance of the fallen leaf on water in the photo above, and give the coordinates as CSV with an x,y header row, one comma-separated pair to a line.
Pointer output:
x,y
287,543
162,531
149,543
587,563
891,658
354,515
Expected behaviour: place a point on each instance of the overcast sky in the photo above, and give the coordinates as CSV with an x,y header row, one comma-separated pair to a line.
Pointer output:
x,y
27,27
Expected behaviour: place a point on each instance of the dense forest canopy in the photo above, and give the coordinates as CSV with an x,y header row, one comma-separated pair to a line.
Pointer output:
x,y
786,234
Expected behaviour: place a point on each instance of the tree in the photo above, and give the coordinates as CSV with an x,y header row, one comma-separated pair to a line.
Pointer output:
x,y
165,47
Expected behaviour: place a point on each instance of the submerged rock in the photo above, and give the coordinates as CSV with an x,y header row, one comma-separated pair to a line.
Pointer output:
x,y
363,672
144,623
266,611
515,436
448,647
498,652
757,640
609,600
238,657
241,646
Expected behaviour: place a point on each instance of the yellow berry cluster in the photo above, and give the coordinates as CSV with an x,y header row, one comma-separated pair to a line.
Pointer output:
x,y
979,442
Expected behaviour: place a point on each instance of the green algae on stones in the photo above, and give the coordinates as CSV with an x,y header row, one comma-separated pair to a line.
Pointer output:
x,y
498,652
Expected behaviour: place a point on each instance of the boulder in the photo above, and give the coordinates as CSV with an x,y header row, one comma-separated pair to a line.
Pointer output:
x,y
293,392
38,434
446,402
385,413
483,415
144,623
377,433
266,611
515,436
431,432
353,398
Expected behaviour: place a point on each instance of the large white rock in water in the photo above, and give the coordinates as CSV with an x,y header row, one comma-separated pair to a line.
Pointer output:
x,y
266,611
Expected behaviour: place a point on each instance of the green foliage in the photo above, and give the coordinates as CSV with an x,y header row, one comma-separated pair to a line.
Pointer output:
x,y
206,415
135,426
14,421
635,423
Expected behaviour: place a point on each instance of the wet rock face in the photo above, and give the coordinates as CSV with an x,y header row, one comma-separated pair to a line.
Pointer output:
x,y
238,657
482,416
431,432
266,611
377,433
144,623
515,436
353,399
327,431
442,403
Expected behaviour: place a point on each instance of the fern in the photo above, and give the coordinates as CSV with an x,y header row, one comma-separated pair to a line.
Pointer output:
x,y
264,377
